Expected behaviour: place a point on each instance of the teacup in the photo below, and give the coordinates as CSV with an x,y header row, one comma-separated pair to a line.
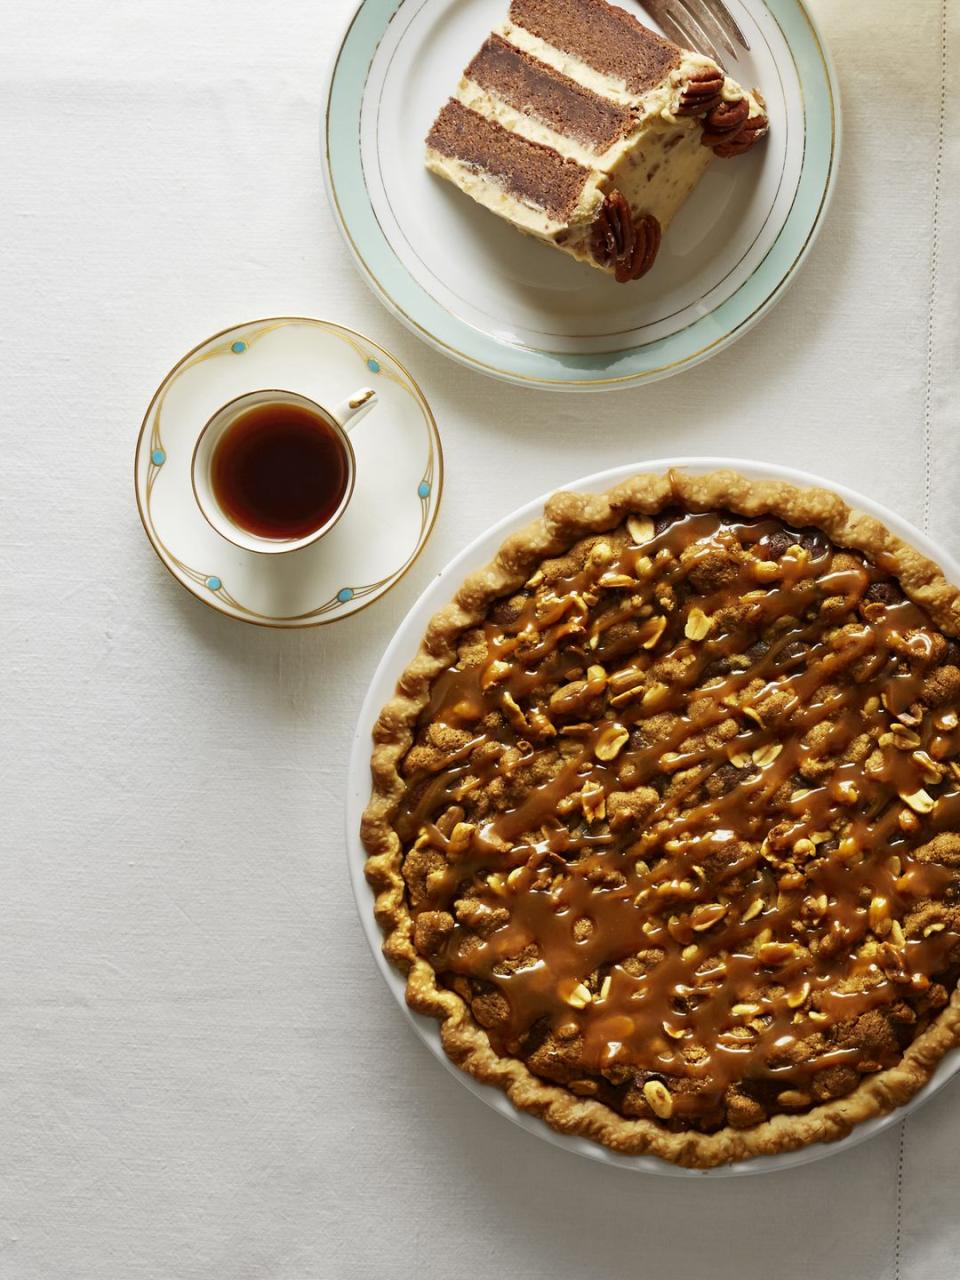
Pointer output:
x,y
273,471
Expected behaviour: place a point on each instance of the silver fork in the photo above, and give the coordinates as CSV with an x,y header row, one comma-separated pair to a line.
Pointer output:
x,y
707,25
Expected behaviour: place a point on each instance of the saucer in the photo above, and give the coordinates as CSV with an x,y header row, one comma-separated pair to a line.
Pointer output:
x,y
395,501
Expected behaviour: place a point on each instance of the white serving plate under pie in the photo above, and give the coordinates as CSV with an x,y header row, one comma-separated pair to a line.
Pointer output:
x,y
402,649
474,288
399,473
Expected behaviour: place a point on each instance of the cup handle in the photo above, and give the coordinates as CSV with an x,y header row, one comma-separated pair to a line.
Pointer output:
x,y
349,412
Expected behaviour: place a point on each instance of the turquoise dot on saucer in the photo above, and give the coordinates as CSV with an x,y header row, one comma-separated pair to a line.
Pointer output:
x,y
238,348
158,457
345,594
214,584
373,365
423,489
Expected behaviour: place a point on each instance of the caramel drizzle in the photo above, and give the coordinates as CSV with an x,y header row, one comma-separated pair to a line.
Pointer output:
x,y
751,984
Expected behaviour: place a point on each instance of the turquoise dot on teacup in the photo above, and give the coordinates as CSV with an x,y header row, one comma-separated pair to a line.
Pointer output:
x,y
214,584
423,489
238,348
158,457
345,594
373,365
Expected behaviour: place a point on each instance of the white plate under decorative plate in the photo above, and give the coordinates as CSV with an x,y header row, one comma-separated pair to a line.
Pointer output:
x,y
404,646
470,285
394,503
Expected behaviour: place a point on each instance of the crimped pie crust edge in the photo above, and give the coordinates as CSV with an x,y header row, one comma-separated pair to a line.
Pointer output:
x,y
567,518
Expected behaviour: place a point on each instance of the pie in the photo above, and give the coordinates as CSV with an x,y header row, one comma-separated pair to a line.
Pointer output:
x,y
579,126
665,824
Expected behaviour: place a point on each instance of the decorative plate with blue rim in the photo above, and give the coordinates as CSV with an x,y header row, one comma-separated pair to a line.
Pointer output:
x,y
395,499
468,284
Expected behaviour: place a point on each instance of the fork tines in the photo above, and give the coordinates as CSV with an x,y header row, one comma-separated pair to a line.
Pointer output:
x,y
706,25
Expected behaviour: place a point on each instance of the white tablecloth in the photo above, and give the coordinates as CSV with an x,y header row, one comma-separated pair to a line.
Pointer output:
x,y
201,1074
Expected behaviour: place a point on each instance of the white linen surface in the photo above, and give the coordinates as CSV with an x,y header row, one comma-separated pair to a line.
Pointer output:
x,y
202,1076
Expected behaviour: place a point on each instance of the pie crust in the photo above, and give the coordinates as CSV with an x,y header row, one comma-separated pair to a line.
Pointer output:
x,y
567,519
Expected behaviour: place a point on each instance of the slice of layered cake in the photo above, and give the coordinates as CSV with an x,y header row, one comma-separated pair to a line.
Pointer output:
x,y
583,128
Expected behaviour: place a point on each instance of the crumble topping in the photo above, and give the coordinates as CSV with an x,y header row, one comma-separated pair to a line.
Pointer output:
x,y
680,824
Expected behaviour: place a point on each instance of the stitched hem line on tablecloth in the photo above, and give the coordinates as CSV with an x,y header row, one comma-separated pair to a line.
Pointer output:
x,y
927,452
927,434
898,1248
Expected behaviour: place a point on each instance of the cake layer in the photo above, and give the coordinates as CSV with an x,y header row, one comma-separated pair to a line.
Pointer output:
x,y
537,90
604,37
528,171
527,125
579,126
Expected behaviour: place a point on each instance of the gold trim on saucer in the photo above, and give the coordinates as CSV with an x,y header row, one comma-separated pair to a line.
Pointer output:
x,y
430,489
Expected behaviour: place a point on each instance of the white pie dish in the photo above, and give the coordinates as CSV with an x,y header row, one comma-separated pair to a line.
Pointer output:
x,y
402,649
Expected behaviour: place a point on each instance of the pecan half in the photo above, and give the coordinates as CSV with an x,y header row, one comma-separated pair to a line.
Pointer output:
x,y
730,129
646,248
621,222
603,242
701,92
613,233
724,119
750,132
628,246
